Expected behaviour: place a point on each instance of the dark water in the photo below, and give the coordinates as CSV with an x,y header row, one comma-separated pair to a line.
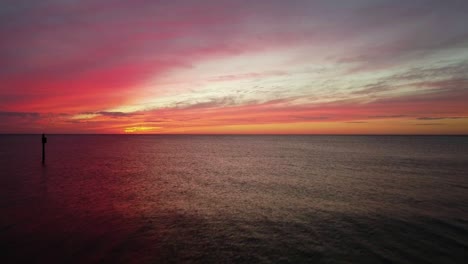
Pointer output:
x,y
231,199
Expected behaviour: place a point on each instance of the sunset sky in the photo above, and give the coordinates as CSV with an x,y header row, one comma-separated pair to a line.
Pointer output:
x,y
219,66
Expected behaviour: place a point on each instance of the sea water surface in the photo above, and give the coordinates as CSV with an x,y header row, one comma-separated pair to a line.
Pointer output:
x,y
234,199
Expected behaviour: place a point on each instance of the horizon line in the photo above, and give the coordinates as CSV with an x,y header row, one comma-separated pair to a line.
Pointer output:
x,y
225,134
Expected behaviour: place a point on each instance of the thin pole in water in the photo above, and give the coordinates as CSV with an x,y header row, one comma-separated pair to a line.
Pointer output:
x,y
44,141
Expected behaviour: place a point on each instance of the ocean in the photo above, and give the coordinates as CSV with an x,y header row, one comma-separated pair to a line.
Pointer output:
x,y
234,199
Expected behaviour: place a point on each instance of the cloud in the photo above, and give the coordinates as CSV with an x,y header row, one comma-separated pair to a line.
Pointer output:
x,y
453,71
410,32
430,124
374,89
113,114
210,103
387,116
252,75
441,118
20,114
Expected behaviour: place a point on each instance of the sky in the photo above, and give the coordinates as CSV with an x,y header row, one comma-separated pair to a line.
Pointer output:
x,y
234,67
